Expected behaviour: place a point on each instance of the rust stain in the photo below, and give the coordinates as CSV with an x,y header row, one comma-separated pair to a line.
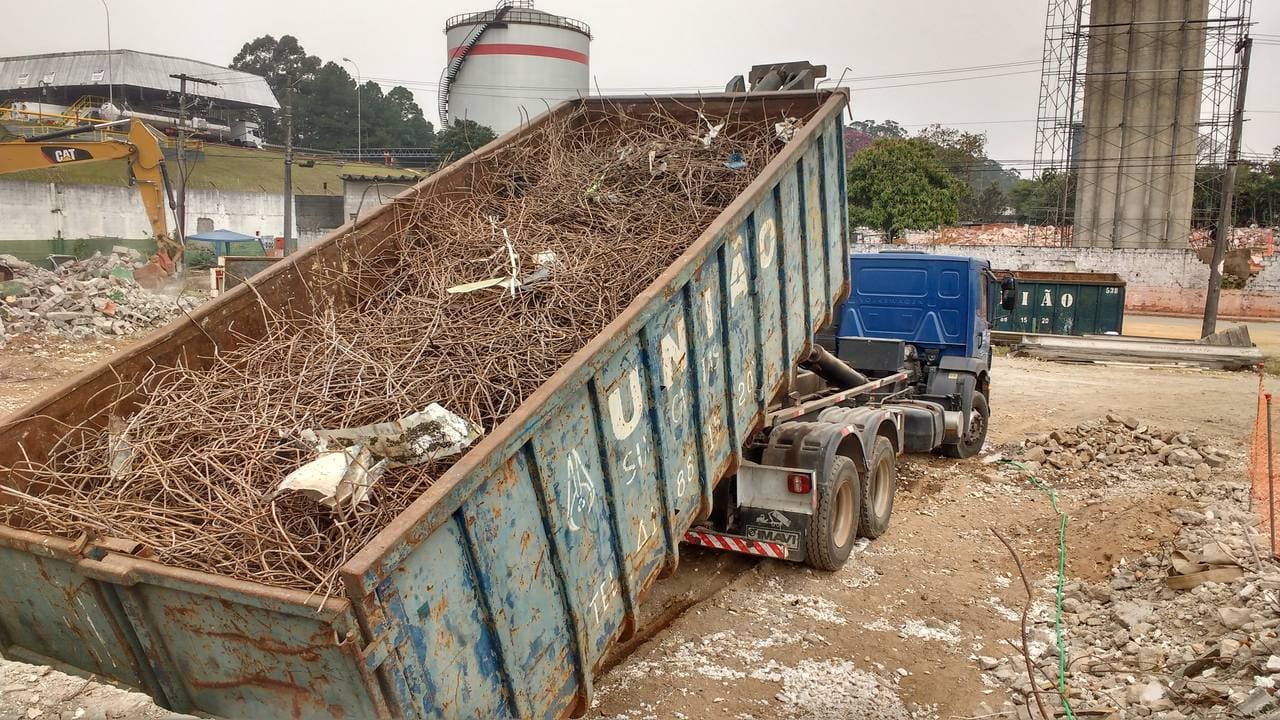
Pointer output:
x,y
309,653
253,680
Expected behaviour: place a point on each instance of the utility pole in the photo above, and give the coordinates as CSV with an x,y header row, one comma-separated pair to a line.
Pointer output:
x,y
1223,234
111,77
359,119
183,79
290,245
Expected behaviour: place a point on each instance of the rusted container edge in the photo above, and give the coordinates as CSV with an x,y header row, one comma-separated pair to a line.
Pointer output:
x,y
447,494
139,570
1074,278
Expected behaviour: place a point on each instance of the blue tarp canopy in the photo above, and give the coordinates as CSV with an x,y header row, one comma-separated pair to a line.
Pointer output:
x,y
222,239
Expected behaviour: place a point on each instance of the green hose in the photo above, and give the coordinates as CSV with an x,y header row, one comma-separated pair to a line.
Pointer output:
x,y
1062,576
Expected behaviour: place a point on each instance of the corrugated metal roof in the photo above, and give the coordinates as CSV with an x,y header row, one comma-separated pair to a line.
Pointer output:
x,y
133,68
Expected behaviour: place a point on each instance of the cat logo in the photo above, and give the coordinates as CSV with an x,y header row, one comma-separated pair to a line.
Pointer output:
x,y
59,155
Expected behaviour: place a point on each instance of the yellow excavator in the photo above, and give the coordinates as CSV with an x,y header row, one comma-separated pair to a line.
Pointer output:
x,y
146,168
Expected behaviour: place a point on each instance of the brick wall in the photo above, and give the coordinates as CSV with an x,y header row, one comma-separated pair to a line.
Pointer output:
x,y
1157,281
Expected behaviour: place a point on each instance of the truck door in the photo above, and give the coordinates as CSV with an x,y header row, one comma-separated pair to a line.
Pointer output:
x,y
981,323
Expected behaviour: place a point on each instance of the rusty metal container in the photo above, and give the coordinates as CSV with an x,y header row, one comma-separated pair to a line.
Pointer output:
x,y
499,591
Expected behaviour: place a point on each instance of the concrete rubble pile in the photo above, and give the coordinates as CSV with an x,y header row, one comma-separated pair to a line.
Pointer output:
x,y
1116,439
1187,630
98,295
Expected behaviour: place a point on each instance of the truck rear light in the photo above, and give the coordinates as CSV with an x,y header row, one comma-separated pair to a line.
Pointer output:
x,y
799,484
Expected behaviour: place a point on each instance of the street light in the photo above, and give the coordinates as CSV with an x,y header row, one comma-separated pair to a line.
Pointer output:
x,y
359,122
111,96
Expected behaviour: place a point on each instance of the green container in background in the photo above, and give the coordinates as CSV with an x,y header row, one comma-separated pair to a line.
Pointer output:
x,y
1060,303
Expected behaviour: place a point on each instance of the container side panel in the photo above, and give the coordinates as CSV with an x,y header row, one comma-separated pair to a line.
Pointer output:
x,y
629,451
833,209
676,411
794,282
50,610
709,360
768,290
741,318
1111,310
568,455
242,661
815,235
449,656
1086,309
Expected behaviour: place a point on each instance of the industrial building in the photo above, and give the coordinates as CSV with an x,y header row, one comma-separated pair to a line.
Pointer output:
x,y
508,64
98,84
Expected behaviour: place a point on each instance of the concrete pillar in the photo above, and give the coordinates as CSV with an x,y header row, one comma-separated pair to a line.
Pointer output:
x,y
1142,89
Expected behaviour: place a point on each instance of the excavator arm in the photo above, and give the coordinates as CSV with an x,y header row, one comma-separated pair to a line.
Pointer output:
x,y
142,151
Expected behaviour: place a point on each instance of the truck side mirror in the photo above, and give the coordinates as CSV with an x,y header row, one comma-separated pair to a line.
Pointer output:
x,y
1009,293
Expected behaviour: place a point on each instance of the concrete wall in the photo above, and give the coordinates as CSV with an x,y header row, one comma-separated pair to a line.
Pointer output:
x,y
44,211
39,218
1137,151
1158,281
364,196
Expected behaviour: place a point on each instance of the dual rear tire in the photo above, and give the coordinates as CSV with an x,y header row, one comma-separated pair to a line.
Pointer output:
x,y
851,505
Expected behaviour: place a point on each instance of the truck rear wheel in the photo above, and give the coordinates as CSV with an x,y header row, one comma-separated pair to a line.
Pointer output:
x,y
976,432
834,526
878,488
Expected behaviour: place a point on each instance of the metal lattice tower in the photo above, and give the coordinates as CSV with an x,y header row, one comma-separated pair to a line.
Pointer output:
x,y
1138,136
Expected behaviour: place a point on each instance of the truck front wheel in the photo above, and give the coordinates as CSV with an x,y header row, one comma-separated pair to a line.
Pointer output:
x,y
975,433
878,488
834,525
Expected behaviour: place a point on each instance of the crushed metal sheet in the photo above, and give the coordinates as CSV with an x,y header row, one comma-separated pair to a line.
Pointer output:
x,y
342,478
426,435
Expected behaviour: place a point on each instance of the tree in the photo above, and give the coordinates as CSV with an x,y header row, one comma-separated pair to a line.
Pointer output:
x,y
879,130
415,130
281,63
463,138
899,184
325,114
324,100
985,181
1038,201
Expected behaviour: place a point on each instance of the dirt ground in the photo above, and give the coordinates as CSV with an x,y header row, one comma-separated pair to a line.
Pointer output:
x,y
896,633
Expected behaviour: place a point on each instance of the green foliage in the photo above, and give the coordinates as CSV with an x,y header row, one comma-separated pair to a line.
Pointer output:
x,y
464,137
1038,200
878,130
985,183
899,184
324,99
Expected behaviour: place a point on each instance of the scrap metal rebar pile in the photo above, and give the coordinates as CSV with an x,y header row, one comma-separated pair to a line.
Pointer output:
x,y
597,205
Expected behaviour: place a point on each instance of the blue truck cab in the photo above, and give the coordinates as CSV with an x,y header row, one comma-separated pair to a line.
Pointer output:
x,y
926,315
935,303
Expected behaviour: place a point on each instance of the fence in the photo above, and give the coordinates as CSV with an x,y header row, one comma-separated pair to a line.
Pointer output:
x,y
1263,461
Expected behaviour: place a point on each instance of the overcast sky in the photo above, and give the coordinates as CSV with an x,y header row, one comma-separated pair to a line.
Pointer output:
x,y
662,44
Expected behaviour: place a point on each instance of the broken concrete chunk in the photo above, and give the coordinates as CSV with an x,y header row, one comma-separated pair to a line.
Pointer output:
x,y
1183,457
1132,612
1234,618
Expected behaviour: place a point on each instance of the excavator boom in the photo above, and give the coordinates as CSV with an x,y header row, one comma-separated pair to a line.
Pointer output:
x,y
142,151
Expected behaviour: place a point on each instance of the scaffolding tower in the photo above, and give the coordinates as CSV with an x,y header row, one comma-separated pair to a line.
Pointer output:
x,y
1136,99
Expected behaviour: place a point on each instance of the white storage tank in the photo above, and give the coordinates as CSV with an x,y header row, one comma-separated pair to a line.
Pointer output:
x,y
504,63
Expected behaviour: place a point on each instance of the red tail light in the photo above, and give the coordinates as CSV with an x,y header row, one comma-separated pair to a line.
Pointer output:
x,y
799,484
